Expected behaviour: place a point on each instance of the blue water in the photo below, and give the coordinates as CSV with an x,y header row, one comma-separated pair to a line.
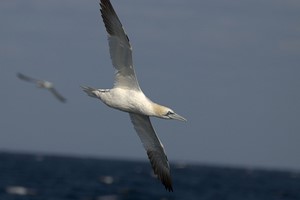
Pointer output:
x,y
25,176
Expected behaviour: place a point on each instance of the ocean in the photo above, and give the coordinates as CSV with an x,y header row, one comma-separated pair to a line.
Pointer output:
x,y
46,177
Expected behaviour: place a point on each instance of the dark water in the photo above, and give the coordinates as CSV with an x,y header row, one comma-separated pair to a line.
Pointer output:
x,y
65,178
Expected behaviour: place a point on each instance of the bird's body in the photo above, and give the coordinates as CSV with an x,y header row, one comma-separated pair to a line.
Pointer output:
x,y
127,96
126,100
43,84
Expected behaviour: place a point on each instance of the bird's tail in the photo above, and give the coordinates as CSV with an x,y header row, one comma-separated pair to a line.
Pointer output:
x,y
90,91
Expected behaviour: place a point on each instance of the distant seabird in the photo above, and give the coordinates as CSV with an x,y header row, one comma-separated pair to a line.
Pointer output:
x,y
127,96
42,84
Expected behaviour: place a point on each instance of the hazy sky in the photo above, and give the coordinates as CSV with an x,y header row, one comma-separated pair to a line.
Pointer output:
x,y
230,67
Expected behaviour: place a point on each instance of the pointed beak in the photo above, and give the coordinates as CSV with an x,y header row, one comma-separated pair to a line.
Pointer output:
x,y
178,117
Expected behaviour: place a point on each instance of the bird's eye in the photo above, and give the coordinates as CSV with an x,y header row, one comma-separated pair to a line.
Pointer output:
x,y
169,113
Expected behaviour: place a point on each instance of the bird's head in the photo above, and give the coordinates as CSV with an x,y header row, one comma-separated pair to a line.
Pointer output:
x,y
167,113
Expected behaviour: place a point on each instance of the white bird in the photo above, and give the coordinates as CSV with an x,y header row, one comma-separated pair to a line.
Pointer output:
x,y
127,96
42,84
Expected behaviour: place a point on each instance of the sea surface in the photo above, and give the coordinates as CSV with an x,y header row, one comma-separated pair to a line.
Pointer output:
x,y
45,177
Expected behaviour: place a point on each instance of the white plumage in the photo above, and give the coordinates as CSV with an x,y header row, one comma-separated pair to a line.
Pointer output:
x,y
127,96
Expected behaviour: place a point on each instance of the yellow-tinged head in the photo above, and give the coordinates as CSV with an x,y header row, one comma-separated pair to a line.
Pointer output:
x,y
166,113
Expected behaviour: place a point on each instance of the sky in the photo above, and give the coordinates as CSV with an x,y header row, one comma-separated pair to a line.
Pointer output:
x,y
231,68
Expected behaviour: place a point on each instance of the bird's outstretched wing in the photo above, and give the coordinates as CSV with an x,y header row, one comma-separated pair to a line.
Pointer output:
x,y
154,148
57,95
43,84
119,47
26,78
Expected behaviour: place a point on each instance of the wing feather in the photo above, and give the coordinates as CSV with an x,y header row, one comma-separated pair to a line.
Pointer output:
x,y
57,95
119,48
154,148
27,78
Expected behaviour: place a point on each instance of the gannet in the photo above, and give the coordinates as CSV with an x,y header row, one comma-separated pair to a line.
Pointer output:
x,y
126,95
42,84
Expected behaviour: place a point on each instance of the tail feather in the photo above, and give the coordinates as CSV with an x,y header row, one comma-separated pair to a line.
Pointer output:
x,y
90,91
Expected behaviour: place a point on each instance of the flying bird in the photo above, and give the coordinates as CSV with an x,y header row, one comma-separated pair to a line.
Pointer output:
x,y
126,95
42,84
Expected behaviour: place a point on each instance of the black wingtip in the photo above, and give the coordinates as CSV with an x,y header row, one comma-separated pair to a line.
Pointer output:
x,y
110,17
168,186
19,75
169,189
107,10
162,174
23,77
